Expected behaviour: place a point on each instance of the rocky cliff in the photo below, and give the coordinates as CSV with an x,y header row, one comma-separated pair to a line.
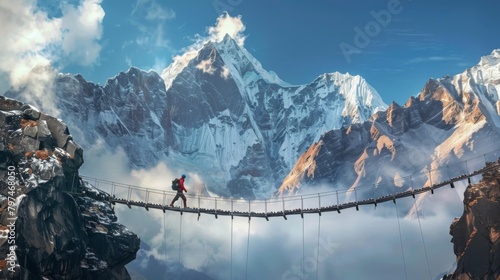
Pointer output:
x,y
53,225
476,235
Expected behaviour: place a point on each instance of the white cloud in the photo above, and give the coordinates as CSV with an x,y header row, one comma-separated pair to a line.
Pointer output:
x,y
276,246
226,24
179,62
434,58
159,65
38,89
157,12
128,60
159,37
81,29
152,30
367,238
152,11
29,38
102,162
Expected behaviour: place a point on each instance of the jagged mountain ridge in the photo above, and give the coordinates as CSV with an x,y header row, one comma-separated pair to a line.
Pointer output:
x,y
262,125
220,115
453,118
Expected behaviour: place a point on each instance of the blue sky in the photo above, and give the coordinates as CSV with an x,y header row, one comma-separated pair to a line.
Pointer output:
x,y
396,45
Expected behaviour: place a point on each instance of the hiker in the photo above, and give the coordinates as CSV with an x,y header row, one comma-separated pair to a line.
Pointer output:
x,y
180,189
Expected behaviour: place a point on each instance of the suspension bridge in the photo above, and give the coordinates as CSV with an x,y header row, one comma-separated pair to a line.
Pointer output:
x,y
317,203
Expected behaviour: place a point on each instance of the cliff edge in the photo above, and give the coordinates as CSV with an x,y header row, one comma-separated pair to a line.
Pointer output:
x,y
476,234
53,225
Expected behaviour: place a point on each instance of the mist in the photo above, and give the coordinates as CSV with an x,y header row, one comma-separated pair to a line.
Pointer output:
x,y
351,245
364,244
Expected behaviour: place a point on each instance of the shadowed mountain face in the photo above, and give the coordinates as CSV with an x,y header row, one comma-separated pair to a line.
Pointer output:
x,y
218,114
452,119
476,234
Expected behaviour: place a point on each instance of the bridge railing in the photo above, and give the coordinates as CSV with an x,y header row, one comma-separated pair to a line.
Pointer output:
x,y
424,179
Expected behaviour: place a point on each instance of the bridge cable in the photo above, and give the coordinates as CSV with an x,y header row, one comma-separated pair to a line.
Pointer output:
x,y
401,240
180,236
231,270
303,247
165,234
248,248
423,242
317,252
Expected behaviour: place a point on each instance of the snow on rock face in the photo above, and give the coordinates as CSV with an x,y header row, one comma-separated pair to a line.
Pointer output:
x,y
266,123
483,79
213,109
243,66
57,235
452,119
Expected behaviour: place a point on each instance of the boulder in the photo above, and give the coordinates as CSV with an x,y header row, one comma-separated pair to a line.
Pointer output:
x,y
43,131
58,130
30,113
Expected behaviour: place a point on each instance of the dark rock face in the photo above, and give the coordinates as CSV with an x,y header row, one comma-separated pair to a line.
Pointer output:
x,y
59,233
476,235
111,245
50,236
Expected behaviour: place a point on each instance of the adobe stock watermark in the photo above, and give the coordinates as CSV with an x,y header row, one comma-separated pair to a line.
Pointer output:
x,y
11,259
222,6
363,36
325,249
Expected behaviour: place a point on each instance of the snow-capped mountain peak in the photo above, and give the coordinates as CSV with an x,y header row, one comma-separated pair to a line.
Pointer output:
x,y
451,119
492,59
178,64
361,99
216,112
236,56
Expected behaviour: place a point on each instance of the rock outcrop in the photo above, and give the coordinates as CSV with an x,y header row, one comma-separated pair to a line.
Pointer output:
x,y
476,235
53,224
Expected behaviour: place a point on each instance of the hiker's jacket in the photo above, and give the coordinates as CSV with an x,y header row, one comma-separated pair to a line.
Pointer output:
x,y
181,186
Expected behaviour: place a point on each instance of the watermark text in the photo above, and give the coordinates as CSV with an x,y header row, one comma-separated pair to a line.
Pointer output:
x,y
364,35
222,6
11,259
325,249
